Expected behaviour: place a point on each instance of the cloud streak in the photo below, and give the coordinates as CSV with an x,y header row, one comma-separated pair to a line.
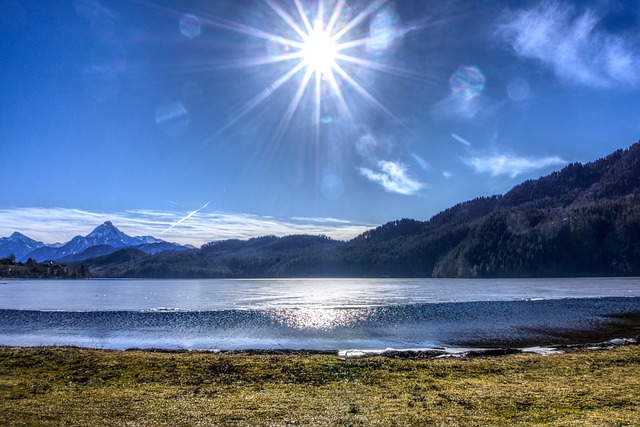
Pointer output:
x,y
60,225
511,165
393,177
572,44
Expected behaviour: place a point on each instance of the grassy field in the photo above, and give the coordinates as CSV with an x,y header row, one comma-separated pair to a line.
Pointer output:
x,y
83,387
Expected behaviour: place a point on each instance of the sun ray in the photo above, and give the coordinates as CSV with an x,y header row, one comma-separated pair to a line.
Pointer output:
x,y
303,16
293,105
262,96
254,62
252,31
324,57
320,17
341,101
353,43
286,18
359,18
389,69
337,11
365,94
318,105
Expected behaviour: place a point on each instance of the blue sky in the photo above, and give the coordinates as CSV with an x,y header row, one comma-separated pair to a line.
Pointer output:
x,y
202,120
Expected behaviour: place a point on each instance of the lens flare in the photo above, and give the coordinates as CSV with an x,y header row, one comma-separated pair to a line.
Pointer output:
x,y
467,83
190,26
384,31
332,187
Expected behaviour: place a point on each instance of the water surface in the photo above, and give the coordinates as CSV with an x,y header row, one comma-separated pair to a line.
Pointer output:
x,y
311,313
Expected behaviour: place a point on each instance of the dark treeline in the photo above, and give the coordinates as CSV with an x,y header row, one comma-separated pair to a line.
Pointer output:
x,y
581,221
10,269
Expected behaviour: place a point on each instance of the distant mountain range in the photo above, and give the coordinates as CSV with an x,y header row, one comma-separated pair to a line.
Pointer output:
x,y
581,221
103,240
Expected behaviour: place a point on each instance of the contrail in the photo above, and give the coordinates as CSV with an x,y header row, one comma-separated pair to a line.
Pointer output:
x,y
461,139
189,216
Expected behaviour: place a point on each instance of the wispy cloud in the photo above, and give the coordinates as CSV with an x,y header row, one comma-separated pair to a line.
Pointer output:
x,y
393,178
572,44
511,165
60,225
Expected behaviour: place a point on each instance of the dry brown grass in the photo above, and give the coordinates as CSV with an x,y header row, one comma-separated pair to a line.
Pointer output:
x,y
83,387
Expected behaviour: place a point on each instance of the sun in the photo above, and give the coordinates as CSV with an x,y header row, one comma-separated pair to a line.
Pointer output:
x,y
325,50
319,50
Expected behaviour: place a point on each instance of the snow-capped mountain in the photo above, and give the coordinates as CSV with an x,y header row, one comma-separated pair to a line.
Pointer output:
x,y
108,234
104,239
18,244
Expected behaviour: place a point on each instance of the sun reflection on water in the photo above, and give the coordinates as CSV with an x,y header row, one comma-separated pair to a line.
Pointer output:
x,y
324,319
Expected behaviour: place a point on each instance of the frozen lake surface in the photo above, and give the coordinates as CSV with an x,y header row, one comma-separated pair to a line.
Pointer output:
x,y
313,313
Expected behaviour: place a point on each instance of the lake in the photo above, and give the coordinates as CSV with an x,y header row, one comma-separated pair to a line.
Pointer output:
x,y
318,314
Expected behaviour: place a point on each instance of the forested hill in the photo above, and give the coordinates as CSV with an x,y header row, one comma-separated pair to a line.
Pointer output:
x,y
581,221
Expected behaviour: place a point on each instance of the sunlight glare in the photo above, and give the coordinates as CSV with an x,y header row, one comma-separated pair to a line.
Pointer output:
x,y
319,50
320,319
327,54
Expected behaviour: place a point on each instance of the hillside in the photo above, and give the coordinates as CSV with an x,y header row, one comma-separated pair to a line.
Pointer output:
x,y
581,221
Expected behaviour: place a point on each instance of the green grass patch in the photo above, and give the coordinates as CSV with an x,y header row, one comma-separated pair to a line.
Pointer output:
x,y
84,387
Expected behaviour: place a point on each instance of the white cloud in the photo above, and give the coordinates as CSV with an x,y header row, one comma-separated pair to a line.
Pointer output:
x,y
60,225
572,44
393,178
511,165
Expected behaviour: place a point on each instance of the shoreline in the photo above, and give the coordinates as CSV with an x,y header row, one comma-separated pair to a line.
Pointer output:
x,y
396,353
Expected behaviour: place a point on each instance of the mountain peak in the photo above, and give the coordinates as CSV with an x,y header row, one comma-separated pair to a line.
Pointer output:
x,y
107,229
19,237
18,244
107,225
